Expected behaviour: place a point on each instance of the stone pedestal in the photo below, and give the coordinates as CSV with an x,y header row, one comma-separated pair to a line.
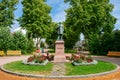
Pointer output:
x,y
59,52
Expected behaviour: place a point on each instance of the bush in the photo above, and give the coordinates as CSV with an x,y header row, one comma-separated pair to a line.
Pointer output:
x,y
5,39
94,44
101,44
116,46
20,42
30,46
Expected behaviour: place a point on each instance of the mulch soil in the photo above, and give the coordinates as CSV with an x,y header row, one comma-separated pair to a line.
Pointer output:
x,y
111,76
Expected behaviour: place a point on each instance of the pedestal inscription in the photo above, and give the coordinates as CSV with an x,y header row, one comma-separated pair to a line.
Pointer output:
x,y
59,52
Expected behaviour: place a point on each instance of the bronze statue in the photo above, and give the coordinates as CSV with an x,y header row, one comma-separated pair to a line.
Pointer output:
x,y
60,31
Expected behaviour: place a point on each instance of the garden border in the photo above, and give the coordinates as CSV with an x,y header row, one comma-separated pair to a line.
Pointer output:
x,y
77,76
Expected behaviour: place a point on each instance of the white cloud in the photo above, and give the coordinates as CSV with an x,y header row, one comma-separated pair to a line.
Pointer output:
x,y
20,29
15,25
59,17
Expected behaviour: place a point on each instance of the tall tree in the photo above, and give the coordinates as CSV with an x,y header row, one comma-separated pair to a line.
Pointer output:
x,y
7,8
117,40
90,16
52,31
5,38
36,18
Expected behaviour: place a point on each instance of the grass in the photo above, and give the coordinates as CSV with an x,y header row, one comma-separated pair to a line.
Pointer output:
x,y
18,66
66,51
51,51
91,69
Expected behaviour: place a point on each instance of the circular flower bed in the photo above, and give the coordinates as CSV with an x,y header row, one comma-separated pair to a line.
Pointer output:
x,y
81,60
38,59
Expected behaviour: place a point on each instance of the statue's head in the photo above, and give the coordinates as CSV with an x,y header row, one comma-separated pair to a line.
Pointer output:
x,y
59,23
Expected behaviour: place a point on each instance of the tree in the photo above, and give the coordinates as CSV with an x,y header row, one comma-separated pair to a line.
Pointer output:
x,y
52,35
7,8
30,46
71,37
36,19
20,42
100,45
5,39
117,40
90,17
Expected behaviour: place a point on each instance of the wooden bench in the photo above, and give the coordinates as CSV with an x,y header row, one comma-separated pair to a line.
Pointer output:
x,y
2,53
113,53
13,53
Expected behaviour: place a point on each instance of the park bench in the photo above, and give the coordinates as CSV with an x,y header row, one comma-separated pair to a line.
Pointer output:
x,y
1,53
113,53
13,53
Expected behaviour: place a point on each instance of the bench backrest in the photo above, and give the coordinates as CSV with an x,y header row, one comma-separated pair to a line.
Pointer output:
x,y
1,53
112,53
13,52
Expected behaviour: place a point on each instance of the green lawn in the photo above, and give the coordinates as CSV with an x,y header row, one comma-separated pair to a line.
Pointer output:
x,y
18,66
66,51
91,69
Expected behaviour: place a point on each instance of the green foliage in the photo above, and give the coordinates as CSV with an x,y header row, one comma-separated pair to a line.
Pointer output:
x,y
16,41
94,44
20,42
52,35
117,40
30,46
36,19
88,17
7,8
5,38
42,45
70,38
100,45
51,51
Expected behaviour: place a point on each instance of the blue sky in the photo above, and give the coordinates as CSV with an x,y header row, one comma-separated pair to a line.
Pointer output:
x,y
58,13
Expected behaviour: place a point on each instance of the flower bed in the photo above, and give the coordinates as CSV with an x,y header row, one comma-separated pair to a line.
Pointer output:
x,y
38,59
84,63
78,60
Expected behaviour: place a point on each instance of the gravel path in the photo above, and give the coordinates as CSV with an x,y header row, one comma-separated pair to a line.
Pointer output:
x,y
60,68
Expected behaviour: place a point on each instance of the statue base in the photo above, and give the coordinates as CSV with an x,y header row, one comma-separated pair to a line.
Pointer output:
x,y
59,52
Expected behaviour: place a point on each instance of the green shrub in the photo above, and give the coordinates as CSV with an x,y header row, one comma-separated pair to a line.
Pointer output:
x,y
5,38
101,44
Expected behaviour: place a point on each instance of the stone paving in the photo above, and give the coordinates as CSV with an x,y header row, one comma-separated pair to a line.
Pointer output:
x,y
108,59
7,59
58,69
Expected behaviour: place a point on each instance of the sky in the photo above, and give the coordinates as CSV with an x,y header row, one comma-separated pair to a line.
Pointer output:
x,y
58,13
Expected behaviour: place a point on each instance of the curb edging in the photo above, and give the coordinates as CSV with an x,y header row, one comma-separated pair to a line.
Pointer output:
x,y
42,76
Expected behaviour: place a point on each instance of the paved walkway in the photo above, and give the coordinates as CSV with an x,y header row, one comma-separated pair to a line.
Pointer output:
x,y
58,69
7,59
6,76
108,59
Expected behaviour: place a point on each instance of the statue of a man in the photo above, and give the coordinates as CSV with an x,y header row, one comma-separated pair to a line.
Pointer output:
x,y
60,31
